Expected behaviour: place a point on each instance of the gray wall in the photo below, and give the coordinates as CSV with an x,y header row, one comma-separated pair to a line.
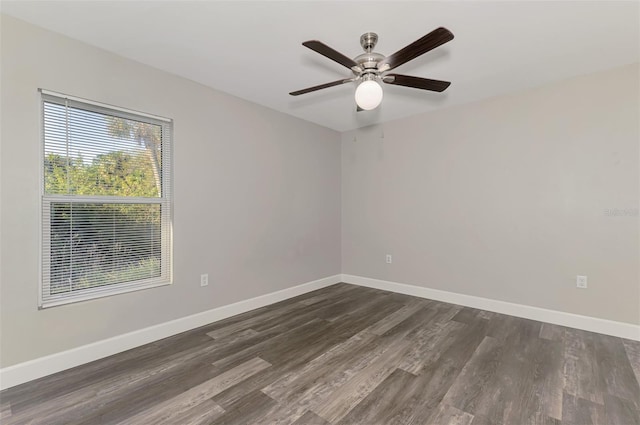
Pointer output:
x,y
505,198
257,194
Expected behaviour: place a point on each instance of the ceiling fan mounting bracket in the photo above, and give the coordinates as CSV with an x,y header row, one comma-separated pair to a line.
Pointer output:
x,y
368,41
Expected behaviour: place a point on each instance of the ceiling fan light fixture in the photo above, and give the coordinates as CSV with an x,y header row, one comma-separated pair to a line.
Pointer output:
x,y
370,68
369,94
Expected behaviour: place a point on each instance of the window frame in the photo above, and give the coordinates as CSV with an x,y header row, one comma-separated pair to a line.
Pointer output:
x,y
165,201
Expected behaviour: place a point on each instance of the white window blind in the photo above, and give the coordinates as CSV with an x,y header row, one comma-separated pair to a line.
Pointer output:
x,y
106,203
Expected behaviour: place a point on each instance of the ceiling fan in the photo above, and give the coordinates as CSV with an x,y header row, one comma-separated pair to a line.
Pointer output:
x,y
370,68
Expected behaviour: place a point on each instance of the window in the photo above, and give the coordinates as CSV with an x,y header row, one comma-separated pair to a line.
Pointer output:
x,y
106,203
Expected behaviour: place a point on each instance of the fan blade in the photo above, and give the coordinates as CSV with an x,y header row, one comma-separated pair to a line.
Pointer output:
x,y
332,54
416,82
435,38
320,87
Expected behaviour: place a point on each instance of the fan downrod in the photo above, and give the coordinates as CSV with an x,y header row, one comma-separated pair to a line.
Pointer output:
x,y
368,41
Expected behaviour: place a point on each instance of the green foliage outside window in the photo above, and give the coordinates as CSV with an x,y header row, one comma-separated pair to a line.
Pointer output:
x,y
91,232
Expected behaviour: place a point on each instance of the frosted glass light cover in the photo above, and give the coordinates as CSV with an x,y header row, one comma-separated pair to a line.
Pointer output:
x,y
369,95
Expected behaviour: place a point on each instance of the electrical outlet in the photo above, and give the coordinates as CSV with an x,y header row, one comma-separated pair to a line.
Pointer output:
x,y
389,259
204,279
581,281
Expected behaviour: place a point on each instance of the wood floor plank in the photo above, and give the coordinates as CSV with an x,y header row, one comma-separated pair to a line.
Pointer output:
x,y
306,313
111,369
201,414
347,306
537,395
468,391
506,363
270,313
5,409
174,409
297,352
514,356
449,415
274,347
356,309
263,321
254,316
582,375
228,355
429,343
310,418
458,346
279,336
328,362
468,315
394,319
515,330
168,415
132,401
423,395
249,409
317,384
333,334
617,373
549,378
578,411
632,348
231,396
347,396
313,300
297,359
620,411
552,332
483,420
430,314
349,355
283,414
85,400
383,402
234,337
368,313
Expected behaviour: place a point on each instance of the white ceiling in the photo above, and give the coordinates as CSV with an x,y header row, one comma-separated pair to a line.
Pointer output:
x,y
253,49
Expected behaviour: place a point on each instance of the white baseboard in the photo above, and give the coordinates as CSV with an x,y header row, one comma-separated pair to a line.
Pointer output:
x,y
587,323
43,366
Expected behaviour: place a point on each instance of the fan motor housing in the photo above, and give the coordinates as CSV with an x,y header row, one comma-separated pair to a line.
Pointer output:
x,y
368,60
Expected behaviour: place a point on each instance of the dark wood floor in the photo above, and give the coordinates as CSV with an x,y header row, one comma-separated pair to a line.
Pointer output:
x,y
350,355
